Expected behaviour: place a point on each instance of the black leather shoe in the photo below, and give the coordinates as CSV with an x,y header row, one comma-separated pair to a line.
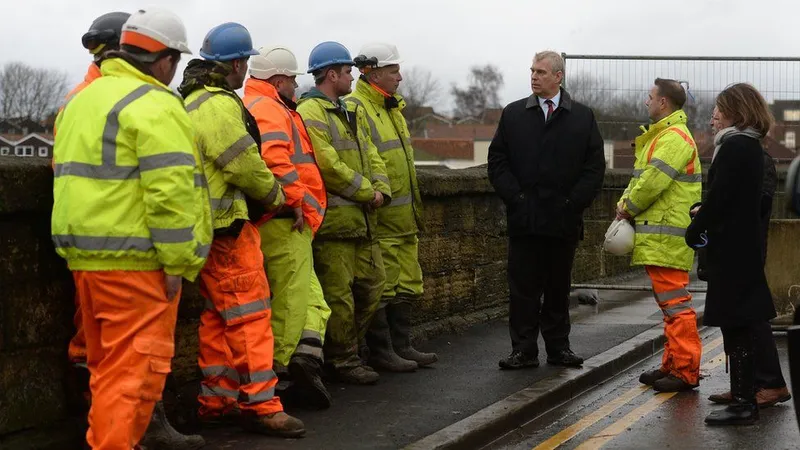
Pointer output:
x,y
737,413
651,377
565,358
671,383
519,360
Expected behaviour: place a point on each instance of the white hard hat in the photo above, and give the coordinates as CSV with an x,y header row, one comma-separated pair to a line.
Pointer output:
x,y
383,54
155,29
619,238
272,61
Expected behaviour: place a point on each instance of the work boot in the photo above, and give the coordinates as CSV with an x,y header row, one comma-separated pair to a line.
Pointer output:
x,y
357,375
398,316
743,410
306,372
277,424
229,417
565,357
671,383
161,436
651,376
382,355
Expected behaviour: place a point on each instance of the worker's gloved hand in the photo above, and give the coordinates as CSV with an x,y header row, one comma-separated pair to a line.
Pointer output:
x,y
695,237
174,283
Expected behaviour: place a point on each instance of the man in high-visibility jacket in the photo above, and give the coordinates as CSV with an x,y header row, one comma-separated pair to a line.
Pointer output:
x,y
102,38
389,337
235,333
131,217
666,182
299,311
347,258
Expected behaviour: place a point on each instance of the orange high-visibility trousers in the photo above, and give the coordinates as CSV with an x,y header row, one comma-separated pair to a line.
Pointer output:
x,y
236,342
682,349
77,345
129,326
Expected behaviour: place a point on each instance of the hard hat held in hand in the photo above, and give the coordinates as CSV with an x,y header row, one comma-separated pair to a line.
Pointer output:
x,y
272,61
620,238
378,55
155,29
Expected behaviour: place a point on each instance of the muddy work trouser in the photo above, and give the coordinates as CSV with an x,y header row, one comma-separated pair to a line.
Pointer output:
x,y
235,334
682,349
352,277
403,273
129,324
299,311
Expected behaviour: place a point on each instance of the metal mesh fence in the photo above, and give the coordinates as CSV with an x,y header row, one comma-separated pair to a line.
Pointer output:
x,y
616,87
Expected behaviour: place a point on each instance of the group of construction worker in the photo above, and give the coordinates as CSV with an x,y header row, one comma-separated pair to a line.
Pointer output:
x,y
299,218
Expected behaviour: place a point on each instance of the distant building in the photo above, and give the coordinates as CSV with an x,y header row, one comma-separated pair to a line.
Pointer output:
x,y
451,153
33,145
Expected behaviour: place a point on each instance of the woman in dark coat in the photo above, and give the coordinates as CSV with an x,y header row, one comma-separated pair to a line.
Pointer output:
x,y
728,225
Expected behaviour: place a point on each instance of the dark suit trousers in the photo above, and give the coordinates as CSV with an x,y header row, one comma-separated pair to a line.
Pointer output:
x,y
539,279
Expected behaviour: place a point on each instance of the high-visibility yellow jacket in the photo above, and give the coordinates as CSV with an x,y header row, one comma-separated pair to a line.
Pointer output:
x,y
666,182
129,187
389,132
231,157
350,165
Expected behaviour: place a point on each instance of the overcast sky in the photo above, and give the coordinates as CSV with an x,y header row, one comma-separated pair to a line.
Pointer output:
x,y
445,36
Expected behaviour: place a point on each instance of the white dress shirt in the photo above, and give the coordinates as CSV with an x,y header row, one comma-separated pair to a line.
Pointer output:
x,y
556,100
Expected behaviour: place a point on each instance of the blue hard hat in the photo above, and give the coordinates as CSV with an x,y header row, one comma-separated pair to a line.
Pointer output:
x,y
227,42
328,54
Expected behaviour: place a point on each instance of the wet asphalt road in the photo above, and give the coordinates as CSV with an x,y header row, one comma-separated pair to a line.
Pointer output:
x,y
649,422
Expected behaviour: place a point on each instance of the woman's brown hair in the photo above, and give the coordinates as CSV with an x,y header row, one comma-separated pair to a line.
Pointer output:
x,y
745,107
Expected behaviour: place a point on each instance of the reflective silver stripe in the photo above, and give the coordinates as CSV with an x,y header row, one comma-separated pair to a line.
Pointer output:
x,y
690,178
337,141
308,198
237,312
290,177
402,200
381,145
226,202
234,150
661,229
258,377
200,180
355,185
310,334
108,169
662,297
317,124
379,177
336,201
172,235
108,243
220,371
302,158
273,194
77,169
274,136
263,396
199,101
680,307
253,103
217,391
664,167
632,207
202,251
164,160
389,145
637,173
111,128
304,349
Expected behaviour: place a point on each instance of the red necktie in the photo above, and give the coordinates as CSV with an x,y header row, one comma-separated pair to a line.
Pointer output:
x,y
549,109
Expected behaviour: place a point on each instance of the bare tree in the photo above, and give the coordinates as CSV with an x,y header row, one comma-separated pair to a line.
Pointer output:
x,y
482,92
30,92
420,90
